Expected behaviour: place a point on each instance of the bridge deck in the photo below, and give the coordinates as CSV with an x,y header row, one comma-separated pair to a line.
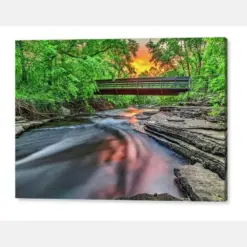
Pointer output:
x,y
144,86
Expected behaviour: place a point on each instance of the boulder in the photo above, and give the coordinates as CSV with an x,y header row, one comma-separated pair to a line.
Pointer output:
x,y
200,184
64,111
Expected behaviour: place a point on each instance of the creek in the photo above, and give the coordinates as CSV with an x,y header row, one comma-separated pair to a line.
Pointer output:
x,y
92,158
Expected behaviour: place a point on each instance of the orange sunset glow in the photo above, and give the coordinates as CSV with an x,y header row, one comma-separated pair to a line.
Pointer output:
x,y
142,62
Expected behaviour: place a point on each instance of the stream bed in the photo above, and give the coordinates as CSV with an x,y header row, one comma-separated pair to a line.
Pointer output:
x,y
92,158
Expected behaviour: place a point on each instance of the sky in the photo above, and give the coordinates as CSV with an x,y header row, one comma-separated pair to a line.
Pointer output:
x,y
142,62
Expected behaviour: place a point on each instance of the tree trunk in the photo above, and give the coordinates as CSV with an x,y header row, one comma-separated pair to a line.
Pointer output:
x,y
49,68
199,55
180,54
187,58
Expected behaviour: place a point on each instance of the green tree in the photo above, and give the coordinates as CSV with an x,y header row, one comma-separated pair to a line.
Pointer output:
x,y
63,70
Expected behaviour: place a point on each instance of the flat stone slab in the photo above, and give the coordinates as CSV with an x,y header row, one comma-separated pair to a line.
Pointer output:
x,y
148,197
185,123
22,126
194,112
197,139
212,141
19,118
200,184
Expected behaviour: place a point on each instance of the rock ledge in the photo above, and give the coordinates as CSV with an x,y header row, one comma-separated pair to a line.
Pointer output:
x,y
149,197
200,184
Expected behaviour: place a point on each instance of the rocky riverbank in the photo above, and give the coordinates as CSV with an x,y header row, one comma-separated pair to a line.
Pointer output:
x,y
22,124
28,117
189,131
201,139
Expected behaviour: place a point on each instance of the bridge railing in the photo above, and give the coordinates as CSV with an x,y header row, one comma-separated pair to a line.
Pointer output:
x,y
146,82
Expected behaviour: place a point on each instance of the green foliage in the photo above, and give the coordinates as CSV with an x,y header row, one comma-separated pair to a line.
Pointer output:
x,y
51,72
185,54
89,108
203,59
217,110
63,70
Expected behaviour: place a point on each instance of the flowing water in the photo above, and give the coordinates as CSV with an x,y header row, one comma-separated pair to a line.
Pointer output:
x,y
88,160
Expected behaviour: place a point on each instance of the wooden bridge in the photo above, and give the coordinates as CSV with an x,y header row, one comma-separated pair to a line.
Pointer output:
x,y
144,86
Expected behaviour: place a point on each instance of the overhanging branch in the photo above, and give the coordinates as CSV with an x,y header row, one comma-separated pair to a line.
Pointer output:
x,y
84,57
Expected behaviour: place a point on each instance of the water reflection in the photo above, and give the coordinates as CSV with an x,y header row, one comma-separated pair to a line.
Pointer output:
x,y
104,160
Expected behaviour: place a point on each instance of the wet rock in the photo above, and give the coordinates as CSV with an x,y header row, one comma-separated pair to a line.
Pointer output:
x,y
148,112
139,126
115,113
149,197
142,117
24,125
200,184
204,135
199,141
199,138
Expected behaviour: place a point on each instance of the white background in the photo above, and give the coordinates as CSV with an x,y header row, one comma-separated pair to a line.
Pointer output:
x,y
127,12
234,209
126,234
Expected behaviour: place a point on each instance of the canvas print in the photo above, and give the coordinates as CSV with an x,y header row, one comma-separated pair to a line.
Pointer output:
x,y
121,119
